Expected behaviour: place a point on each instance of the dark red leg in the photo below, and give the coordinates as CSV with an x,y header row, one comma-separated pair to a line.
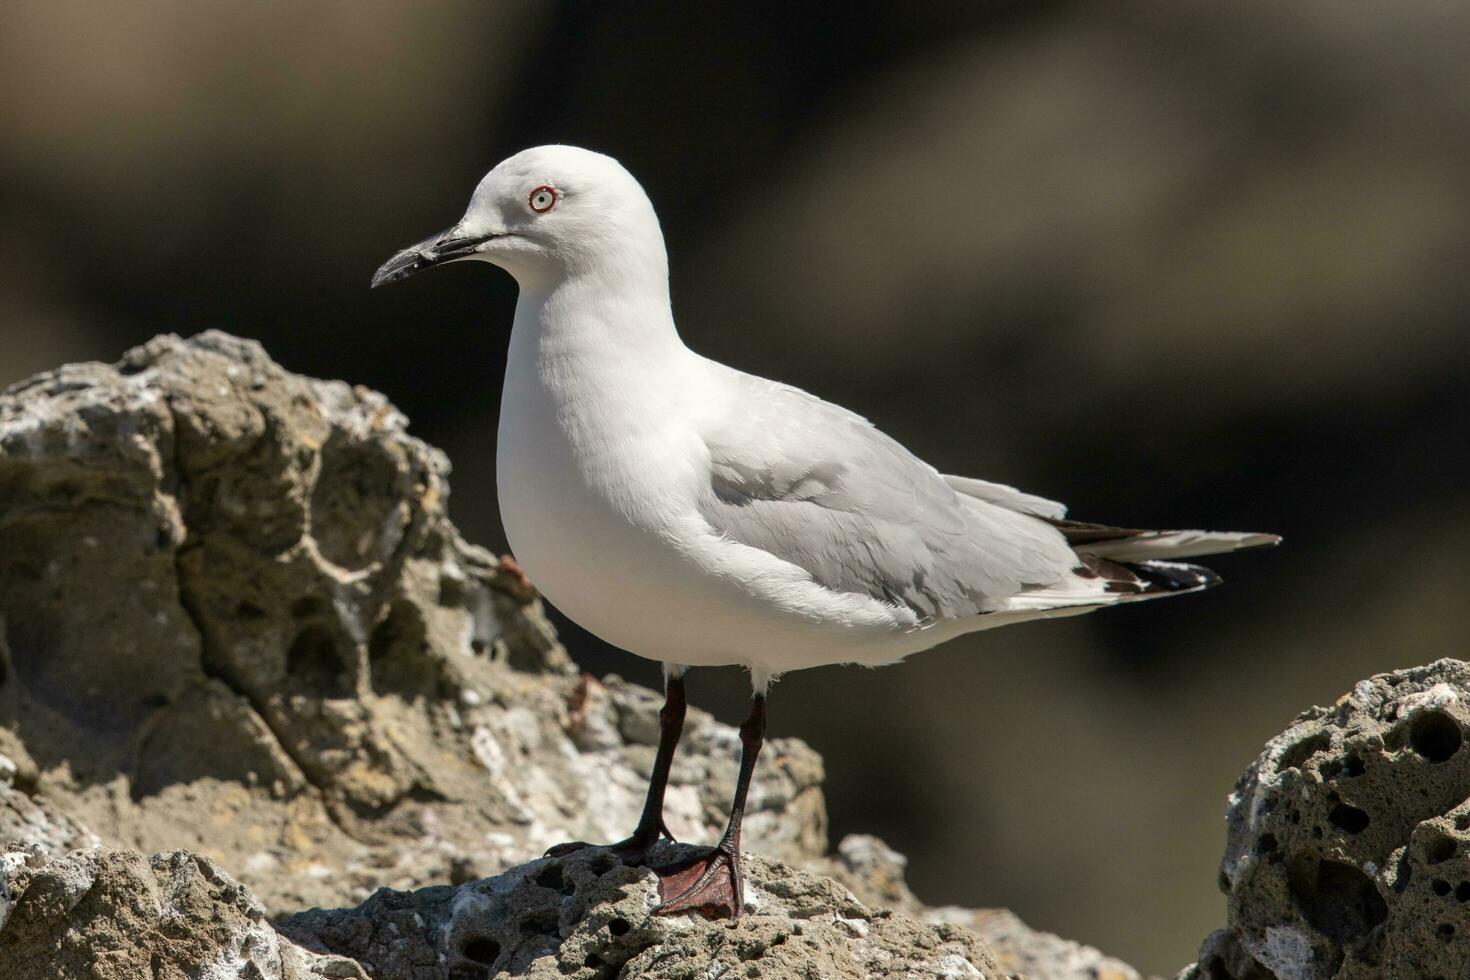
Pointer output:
x,y
634,849
711,883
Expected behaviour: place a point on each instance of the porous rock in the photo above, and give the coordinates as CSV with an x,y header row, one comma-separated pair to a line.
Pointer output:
x,y
875,873
115,915
235,617
1348,849
586,916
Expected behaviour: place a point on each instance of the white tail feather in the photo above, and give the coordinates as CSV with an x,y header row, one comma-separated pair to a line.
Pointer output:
x,y
1177,544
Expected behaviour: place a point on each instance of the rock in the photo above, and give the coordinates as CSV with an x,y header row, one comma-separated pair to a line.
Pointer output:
x,y
586,916
1348,849
235,617
875,873
37,822
1033,954
116,915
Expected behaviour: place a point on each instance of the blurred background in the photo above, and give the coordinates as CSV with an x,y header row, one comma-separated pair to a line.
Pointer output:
x,y
1177,265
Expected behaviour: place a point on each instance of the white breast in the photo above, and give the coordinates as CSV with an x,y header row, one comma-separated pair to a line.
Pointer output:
x,y
597,471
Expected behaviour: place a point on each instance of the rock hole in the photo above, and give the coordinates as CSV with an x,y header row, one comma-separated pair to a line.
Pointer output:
x,y
542,923
1298,754
249,610
1440,887
1405,873
1349,818
308,606
600,864
1337,899
551,877
1440,850
358,511
398,654
485,951
1435,735
618,926
1352,765
1224,882
452,592
593,961
1462,891
1266,843
315,661
1445,932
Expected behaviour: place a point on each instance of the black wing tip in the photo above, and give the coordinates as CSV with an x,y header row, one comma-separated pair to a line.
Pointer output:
x,y
1173,576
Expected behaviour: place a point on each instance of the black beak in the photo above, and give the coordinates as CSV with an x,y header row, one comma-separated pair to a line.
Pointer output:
x,y
434,250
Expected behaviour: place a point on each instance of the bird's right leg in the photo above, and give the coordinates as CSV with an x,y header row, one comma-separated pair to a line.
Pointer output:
x,y
634,848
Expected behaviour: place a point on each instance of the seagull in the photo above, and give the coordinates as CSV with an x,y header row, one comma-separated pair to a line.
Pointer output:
x,y
699,516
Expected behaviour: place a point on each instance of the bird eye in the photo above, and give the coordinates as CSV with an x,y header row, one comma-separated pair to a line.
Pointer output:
x,y
543,199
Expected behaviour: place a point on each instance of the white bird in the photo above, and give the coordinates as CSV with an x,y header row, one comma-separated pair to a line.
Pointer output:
x,y
699,516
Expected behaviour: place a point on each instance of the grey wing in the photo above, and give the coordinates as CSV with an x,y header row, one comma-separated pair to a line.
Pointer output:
x,y
820,487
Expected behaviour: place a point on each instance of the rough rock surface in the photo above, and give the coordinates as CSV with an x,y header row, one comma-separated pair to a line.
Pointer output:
x,y
116,915
1348,851
875,873
586,916
234,617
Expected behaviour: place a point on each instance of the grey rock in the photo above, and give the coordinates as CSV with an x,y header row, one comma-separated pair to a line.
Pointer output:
x,y
875,873
1222,958
235,617
1031,953
116,915
1348,849
27,821
586,916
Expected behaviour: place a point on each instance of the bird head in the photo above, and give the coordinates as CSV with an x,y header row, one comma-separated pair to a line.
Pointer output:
x,y
547,214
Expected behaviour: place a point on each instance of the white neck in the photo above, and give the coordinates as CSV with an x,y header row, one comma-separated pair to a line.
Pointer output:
x,y
612,322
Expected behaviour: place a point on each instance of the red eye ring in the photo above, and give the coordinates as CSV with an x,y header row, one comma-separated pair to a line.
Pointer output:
x,y
542,199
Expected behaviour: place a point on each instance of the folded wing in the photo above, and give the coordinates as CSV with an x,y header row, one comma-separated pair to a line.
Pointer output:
x,y
821,488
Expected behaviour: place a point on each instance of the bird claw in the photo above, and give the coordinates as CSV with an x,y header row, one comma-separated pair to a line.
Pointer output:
x,y
709,884
631,850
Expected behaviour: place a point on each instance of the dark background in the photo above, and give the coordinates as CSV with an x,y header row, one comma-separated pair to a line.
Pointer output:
x,y
1173,265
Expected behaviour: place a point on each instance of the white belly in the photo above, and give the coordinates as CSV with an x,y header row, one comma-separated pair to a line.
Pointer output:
x,y
598,474
599,554
584,535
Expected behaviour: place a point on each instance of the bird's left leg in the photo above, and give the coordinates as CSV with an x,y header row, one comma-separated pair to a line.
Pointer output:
x,y
634,849
712,883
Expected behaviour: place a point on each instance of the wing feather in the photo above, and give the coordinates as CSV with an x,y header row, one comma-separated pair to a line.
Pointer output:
x,y
820,487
